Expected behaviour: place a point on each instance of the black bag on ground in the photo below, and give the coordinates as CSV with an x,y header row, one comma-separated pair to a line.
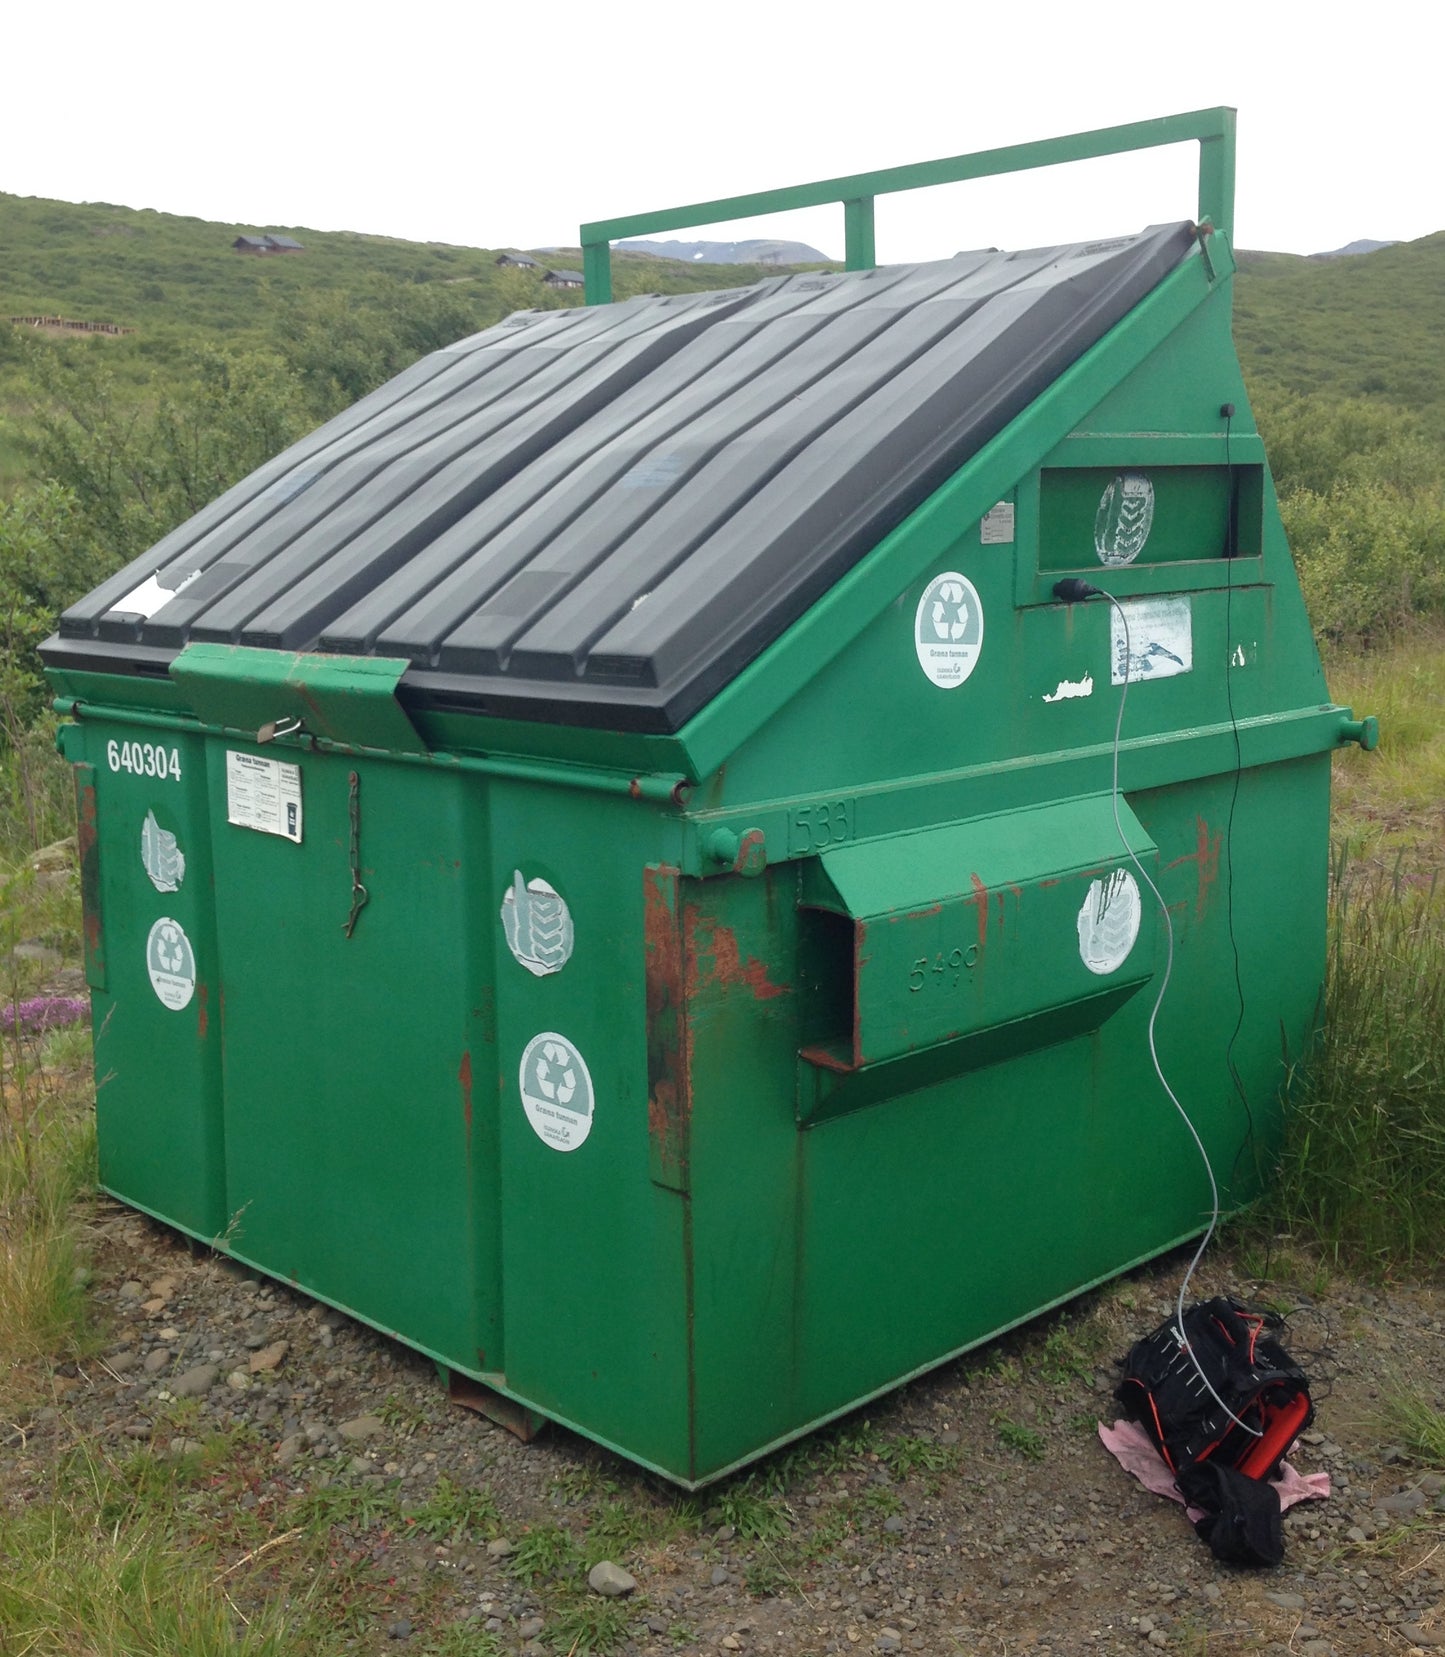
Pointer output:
x,y
1213,1457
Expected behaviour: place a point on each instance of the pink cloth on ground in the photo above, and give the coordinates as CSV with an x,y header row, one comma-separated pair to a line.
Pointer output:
x,y
1134,1451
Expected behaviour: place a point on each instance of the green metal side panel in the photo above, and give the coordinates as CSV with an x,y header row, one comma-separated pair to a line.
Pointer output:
x,y
358,1162
846,1254
147,879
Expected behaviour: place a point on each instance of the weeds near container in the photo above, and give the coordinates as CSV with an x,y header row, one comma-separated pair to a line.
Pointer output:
x,y
1023,1440
1416,1426
546,1551
358,1506
1068,1353
1363,1165
402,1417
463,1639
881,1500
906,1455
451,1510
590,1624
755,1517
576,1484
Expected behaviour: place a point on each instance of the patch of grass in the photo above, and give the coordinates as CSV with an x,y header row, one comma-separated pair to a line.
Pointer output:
x,y
356,1506
577,1484
590,1624
1388,802
881,1500
544,1553
908,1454
47,1163
463,1639
1363,1166
452,1510
754,1516
1068,1353
628,1525
403,1417
1412,1422
74,1584
1024,1441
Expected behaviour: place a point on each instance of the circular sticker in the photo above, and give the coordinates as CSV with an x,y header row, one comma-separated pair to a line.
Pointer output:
x,y
556,1091
171,963
948,629
1109,922
537,924
1124,518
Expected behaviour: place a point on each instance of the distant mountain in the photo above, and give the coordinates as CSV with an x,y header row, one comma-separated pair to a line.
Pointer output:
x,y
1354,247
757,252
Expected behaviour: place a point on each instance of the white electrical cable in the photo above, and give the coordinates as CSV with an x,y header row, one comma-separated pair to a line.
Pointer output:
x,y
1153,1049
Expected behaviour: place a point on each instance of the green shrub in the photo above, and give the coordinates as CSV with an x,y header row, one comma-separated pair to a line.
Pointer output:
x,y
1363,1166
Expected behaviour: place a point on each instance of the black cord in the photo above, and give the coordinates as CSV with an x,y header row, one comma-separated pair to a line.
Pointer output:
x,y
1231,551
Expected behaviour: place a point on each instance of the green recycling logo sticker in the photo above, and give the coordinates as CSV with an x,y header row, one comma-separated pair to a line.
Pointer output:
x,y
171,963
556,1091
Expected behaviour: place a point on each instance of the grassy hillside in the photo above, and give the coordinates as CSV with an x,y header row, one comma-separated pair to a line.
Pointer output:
x,y
1367,326
169,277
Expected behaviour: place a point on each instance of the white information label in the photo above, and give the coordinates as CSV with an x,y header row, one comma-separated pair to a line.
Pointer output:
x,y
948,629
263,794
996,526
556,1091
171,963
1159,642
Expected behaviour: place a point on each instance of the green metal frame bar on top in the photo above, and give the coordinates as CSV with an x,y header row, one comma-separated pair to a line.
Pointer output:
x,y
1213,128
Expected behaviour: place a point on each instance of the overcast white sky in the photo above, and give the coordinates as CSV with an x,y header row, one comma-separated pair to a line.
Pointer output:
x,y
500,124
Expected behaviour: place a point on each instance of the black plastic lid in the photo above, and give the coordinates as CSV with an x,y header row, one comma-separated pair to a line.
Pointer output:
x,y
600,516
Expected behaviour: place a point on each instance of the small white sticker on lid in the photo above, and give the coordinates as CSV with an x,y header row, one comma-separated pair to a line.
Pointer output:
x,y
996,526
263,794
556,1091
171,963
150,596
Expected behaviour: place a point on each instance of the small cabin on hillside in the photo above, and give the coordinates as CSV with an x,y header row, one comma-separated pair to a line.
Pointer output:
x,y
515,261
563,279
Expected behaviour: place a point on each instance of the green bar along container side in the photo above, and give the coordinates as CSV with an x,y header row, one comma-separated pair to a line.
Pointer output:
x,y
690,1087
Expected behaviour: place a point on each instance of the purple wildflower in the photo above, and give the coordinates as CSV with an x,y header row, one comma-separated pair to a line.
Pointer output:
x,y
45,1012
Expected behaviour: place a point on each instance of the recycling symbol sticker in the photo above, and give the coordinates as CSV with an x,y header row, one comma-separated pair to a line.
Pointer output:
x,y
556,1091
948,629
171,963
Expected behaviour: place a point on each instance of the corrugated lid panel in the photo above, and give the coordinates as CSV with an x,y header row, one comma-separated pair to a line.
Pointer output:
x,y
600,516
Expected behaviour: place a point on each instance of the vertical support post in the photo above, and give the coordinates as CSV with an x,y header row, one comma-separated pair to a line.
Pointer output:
x,y
1216,176
597,272
858,249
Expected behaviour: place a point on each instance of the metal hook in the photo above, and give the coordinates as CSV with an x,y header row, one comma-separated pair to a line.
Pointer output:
x,y
277,727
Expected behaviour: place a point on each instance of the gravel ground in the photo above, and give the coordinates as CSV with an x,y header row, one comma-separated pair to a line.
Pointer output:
x,y
974,1511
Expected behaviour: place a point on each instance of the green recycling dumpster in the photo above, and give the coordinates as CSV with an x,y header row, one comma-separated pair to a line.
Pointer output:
x,y
603,860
